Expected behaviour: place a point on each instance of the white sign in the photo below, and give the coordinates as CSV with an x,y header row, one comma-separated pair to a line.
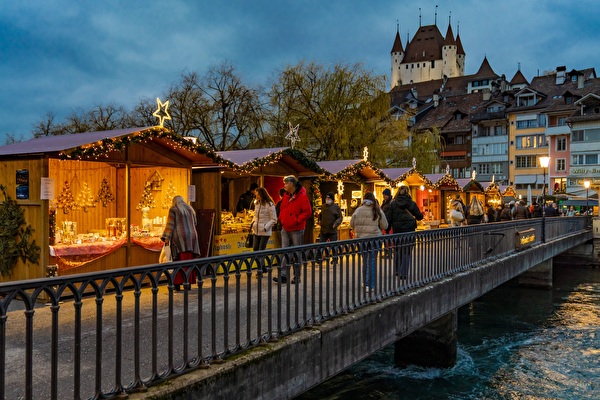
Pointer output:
x,y
47,189
191,193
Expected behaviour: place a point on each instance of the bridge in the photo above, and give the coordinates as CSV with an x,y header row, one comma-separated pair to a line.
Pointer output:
x,y
126,333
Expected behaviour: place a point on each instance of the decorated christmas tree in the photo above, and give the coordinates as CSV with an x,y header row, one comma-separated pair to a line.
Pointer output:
x,y
85,199
105,195
147,200
168,198
66,200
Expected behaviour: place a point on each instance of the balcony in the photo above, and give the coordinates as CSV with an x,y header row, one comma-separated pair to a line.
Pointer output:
x,y
558,130
485,116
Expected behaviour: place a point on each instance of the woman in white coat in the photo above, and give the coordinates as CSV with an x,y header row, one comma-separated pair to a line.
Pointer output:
x,y
368,220
265,218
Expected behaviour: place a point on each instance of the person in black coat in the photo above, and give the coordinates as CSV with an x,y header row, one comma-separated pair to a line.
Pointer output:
x,y
403,215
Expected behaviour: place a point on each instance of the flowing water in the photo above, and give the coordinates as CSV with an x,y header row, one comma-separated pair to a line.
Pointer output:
x,y
513,343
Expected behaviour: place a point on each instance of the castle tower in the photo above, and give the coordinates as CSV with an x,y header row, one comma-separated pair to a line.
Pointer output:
x,y
427,56
397,55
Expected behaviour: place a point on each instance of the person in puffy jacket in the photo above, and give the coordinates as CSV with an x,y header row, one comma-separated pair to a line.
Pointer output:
x,y
294,211
403,215
368,220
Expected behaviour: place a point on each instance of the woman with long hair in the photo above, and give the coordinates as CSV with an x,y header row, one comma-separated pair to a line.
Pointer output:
x,y
368,220
265,218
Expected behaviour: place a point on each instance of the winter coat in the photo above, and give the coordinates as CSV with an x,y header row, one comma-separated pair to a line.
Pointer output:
x,y
521,212
330,218
403,214
265,218
385,206
505,214
363,224
180,230
295,210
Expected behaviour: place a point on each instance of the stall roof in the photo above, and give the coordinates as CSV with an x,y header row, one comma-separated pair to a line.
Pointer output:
x,y
250,159
409,175
580,203
446,181
53,144
342,169
108,145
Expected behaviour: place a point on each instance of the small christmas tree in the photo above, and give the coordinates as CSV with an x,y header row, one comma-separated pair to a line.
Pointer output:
x,y
66,200
105,195
85,199
147,199
168,199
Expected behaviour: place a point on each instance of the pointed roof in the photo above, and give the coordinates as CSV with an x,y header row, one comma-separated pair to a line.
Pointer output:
x,y
426,45
485,70
449,39
459,46
518,79
397,47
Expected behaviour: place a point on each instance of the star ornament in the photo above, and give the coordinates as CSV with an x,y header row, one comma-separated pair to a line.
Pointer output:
x,y
293,135
162,112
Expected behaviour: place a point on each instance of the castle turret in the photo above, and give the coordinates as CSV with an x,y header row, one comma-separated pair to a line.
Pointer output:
x,y
397,55
449,54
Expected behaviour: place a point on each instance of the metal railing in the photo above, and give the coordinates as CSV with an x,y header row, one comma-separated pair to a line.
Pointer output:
x,y
101,335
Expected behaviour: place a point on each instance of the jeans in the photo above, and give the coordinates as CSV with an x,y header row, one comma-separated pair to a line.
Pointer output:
x,y
369,260
323,238
293,238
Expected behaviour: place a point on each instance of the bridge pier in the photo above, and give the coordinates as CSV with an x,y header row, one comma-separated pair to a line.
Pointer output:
x,y
538,276
431,346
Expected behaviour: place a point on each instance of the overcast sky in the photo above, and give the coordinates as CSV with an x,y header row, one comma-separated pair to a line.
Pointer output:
x,y
61,56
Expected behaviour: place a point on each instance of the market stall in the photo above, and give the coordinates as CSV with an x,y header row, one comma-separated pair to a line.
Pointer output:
x,y
349,180
99,200
447,188
239,170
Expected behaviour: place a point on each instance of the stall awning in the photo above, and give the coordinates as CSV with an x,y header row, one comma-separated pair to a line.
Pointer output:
x,y
579,203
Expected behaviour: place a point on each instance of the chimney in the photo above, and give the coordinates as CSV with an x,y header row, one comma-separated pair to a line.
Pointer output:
x,y
580,81
561,75
436,100
486,94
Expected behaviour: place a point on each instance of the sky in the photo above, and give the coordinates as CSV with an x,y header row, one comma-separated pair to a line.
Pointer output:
x,y
64,56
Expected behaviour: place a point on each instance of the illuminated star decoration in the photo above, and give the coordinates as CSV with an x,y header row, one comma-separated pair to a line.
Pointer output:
x,y
447,169
340,188
365,153
473,174
414,162
293,135
162,112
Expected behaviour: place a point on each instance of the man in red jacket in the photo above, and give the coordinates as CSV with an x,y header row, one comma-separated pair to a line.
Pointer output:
x,y
295,210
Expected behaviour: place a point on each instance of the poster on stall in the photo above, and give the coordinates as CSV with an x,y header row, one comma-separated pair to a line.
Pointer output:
x,y
22,181
47,189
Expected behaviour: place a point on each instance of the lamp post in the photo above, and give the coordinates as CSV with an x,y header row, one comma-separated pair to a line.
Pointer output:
x,y
544,162
586,185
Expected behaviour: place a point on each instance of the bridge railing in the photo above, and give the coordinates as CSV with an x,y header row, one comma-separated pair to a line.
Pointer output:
x,y
108,333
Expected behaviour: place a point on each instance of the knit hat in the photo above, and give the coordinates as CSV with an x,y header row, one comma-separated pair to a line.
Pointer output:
x,y
387,191
330,195
253,186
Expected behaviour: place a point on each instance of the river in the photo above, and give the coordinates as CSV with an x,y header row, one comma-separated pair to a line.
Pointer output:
x,y
513,343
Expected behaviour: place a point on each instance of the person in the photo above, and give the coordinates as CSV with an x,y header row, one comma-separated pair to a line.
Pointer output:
x,y
537,210
491,215
403,215
265,218
457,217
571,212
520,211
458,200
475,212
506,214
277,227
295,210
246,200
181,235
368,220
330,219
385,205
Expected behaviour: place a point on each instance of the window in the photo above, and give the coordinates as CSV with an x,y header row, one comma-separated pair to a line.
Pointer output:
x,y
584,159
526,161
526,100
496,168
531,141
591,135
561,144
561,164
433,64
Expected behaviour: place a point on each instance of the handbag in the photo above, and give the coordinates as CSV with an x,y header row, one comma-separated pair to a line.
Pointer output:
x,y
250,240
165,255
456,215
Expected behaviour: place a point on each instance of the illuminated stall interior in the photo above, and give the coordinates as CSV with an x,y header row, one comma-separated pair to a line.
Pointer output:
x,y
421,191
99,200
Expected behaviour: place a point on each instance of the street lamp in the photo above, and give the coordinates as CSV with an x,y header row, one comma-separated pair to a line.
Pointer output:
x,y
544,162
586,185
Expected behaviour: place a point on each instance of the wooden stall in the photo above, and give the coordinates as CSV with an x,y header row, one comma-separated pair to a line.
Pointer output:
x,y
448,188
99,200
421,192
493,196
349,180
239,169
